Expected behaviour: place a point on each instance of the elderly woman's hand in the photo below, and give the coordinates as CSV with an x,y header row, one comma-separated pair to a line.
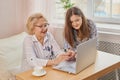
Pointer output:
x,y
62,57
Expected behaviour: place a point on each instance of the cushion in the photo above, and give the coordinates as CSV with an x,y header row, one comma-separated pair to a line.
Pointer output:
x,y
11,51
58,35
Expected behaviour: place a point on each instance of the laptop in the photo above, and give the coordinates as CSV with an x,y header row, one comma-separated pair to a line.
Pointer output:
x,y
86,55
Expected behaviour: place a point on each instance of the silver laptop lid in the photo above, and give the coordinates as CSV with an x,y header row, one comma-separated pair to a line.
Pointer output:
x,y
86,54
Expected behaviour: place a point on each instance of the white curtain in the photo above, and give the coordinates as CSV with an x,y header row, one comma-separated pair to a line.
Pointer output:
x,y
46,7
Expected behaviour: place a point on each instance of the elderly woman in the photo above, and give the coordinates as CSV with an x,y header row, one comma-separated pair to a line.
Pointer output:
x,y
40,48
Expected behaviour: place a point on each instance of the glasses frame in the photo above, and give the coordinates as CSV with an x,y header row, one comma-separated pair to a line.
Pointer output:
x,y
43,26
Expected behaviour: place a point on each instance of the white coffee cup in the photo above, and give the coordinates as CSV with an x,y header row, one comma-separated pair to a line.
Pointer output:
x,y
38,70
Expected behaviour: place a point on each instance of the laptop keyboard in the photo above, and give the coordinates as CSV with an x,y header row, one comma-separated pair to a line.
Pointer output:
x,y
68,66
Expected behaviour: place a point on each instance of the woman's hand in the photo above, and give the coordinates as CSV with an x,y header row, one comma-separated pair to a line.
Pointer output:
x,y
71,54
62,57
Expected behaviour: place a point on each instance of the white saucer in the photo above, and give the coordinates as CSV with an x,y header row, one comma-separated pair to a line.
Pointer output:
x,y
40,74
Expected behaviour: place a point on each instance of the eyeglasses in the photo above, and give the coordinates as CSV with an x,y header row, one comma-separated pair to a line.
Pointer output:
x,y
43,26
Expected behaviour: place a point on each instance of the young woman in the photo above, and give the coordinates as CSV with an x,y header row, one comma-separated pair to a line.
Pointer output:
x,y
40,48
77,28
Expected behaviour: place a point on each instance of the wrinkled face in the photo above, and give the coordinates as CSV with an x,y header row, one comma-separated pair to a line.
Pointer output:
x,y
41,28
76,21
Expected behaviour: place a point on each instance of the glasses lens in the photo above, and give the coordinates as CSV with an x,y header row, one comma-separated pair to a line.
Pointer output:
x,y
44,25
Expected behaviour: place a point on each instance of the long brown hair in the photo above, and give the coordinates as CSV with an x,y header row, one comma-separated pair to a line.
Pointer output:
x,y
84,30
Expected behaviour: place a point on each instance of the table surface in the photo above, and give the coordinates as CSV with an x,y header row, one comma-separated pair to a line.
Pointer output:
x,y
104,64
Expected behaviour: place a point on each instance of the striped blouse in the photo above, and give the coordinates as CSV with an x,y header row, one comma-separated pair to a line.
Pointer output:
x,y
36,54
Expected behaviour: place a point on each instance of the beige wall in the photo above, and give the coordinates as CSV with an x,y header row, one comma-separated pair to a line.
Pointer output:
x,y
13,15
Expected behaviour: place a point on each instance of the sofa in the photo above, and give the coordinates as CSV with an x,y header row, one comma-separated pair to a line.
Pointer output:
x,y
10,55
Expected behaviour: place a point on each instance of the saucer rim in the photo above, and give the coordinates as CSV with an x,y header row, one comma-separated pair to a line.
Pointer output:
x,y
41,74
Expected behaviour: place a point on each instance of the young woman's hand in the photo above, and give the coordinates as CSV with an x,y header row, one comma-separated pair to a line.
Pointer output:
x,y
71,54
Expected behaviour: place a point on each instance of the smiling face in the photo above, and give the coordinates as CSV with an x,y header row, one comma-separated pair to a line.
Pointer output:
x,y
76,21
40,28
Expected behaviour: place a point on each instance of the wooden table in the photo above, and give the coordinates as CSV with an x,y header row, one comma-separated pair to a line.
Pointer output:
x,y
104,64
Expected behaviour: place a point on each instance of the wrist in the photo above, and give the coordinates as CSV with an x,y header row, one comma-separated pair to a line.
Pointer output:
x,y
54,62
